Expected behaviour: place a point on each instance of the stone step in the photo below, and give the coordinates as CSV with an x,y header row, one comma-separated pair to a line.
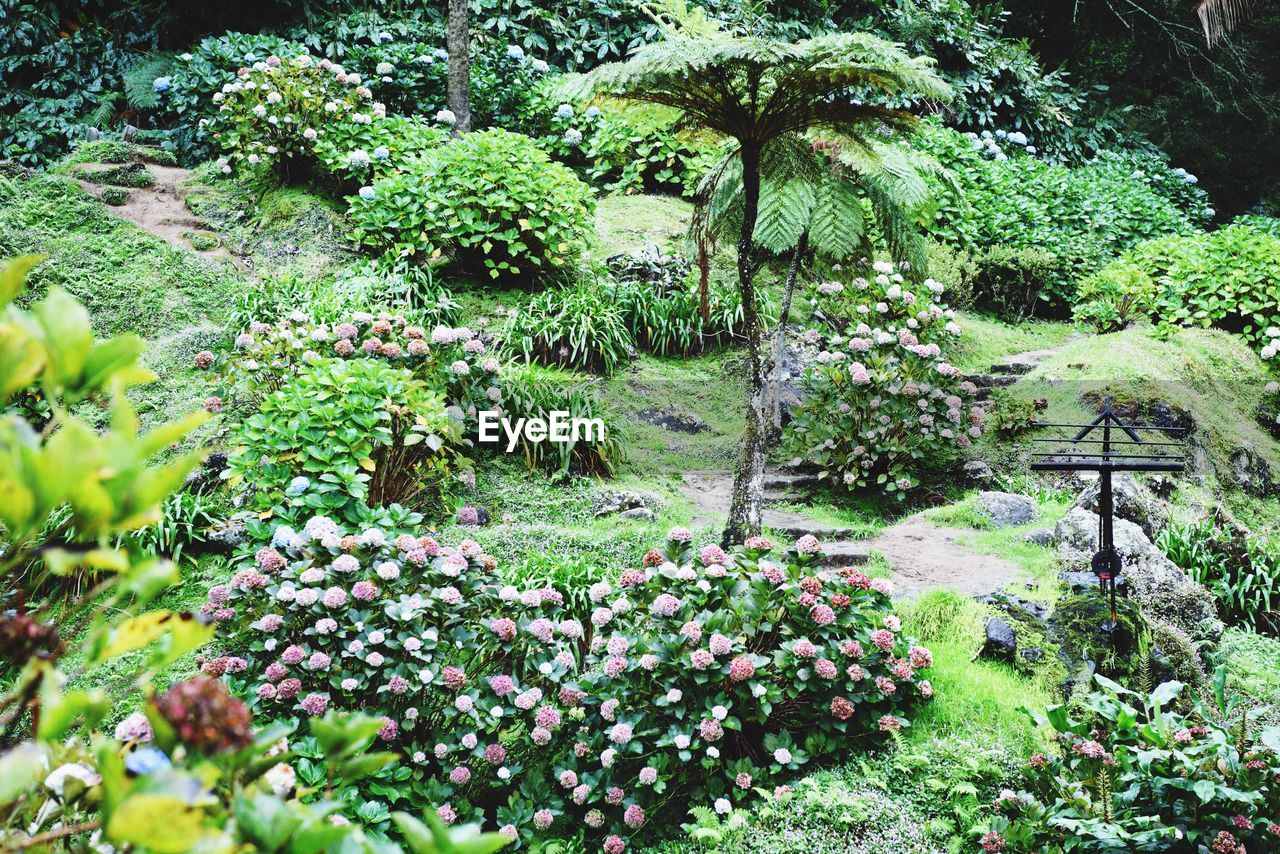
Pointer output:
x,y
795,526
783,479
1013,368
992,380
844,553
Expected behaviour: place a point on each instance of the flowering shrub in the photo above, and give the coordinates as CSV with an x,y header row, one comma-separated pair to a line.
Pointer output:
x,y
348,432
275,112
881,397
701,674
360,152
1133,776
491,200
1269,409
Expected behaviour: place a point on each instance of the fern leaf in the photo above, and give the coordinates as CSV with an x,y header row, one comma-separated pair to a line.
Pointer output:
x,y
839,222
139,81
786,208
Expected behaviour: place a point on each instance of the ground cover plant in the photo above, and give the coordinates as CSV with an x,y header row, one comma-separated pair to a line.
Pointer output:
x,y
270,584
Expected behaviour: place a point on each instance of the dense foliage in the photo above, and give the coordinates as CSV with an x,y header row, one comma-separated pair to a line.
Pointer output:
x,y
1134,775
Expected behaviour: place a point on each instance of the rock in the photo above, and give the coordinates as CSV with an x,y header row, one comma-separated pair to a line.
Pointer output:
x,y
648,264
92,134
638,513
1001,640
1251,473
1006,509
673,420
1077,536
978,472
228,535
1041,537
1131,501
611,501
992,380
1081,679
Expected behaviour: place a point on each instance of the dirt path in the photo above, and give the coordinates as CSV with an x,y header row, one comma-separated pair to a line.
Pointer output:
x,y
922,555
161,210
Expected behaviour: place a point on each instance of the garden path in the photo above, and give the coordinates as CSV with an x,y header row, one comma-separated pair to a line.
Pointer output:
x,y
161,209
922,556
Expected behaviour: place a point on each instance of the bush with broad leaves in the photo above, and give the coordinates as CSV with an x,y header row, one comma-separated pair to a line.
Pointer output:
x,y
701,675
881,398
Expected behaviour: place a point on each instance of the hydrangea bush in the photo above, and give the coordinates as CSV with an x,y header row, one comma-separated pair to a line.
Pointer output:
x,y
274,114
881,398
1130,775
1269,410
701,675
493,201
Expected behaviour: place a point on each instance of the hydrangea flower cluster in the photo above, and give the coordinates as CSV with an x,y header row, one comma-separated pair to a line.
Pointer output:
x,y
989,142
880,392
455,362
704,671
1269,409
275,111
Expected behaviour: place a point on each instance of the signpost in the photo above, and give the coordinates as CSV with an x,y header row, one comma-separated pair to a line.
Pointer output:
x,y
1109,445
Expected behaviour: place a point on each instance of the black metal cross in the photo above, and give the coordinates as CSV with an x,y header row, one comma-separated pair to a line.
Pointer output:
x,y
1118,453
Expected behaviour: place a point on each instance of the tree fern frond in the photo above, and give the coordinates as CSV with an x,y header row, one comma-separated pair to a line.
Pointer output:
x,y
839,228
786,209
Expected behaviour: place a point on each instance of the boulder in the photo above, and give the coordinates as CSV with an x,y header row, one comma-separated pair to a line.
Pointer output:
x,y
1132,502
638,513
1041,537
1001,640
674,420
1006,509
978,473
617,501
228,535
1086,582
1251,473
1077,536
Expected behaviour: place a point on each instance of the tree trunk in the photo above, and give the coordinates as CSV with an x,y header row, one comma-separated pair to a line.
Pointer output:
x,y
780,337
458,43
748,482
704,282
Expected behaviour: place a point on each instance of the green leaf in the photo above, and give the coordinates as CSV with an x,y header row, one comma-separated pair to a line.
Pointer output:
x,y
159,822
22,767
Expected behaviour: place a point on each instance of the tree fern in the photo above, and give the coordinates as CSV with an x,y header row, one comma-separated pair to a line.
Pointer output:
x,y
839,227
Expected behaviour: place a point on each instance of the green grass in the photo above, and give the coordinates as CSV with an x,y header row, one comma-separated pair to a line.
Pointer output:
x,y
625,223
1251,661
1214,376
709,387
987,340
974,700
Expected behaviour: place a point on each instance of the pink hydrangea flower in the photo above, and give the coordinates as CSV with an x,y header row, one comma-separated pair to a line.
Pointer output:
x,y
701,659
710,730
825,668
365,591
720,645
315,704
633,816
921,658
620,733
823,615
803,648
613,844
808,544
374,659
502,685
568,779
454,678
460,775
292,654
882,639
742,668
841,708
743,780
712,554
504,628
885,685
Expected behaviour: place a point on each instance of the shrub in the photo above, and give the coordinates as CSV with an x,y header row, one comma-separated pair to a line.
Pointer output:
x,y
701,676
581,326
1012,415
1013,282
1113,297
392,281
1083,215
340,432
954,268
491,200
1133,775
360,152
275,112
529,391
115,196
1241,570
881,399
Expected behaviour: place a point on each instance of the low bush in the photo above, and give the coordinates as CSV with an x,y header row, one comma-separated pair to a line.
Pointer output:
x,y
881,399
1014,282
1226,279
359,152
700,677
954,268
272,116
114,196
1134,776
1085,215
669,322
344,432
580,326
529,391
493,201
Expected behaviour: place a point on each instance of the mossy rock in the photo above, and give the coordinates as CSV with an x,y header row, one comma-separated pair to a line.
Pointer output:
x,y
205,242
118,152
115,196
1082,627
122,175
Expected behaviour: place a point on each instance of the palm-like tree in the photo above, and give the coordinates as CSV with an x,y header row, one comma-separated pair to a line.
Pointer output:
x,y
756,91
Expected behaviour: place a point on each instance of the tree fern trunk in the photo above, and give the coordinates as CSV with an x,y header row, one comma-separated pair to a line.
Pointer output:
x,y
780,337
458,43
748,483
